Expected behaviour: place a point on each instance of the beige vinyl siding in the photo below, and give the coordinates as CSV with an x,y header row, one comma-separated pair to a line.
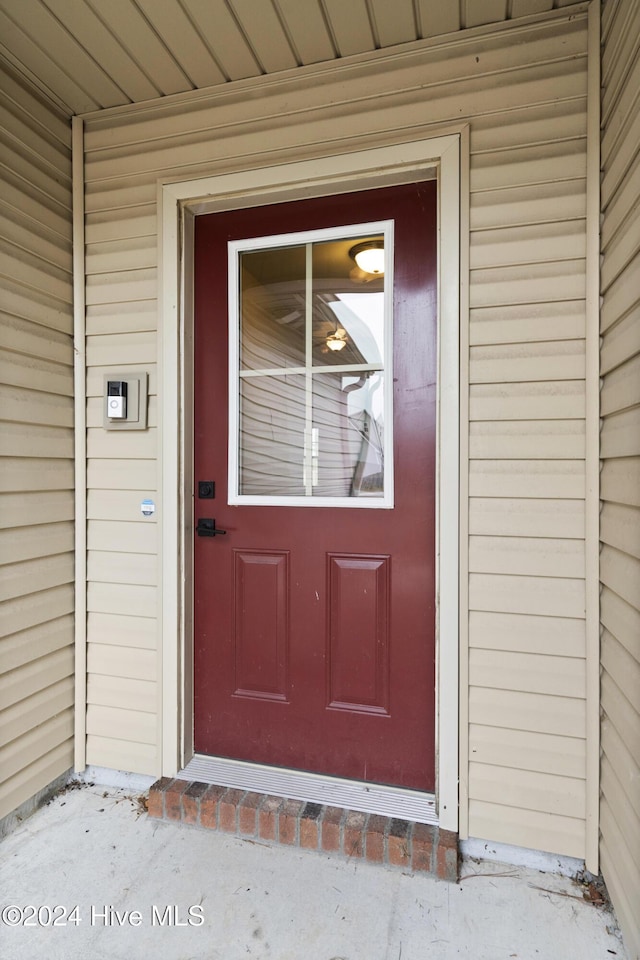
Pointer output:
x,y
527,728
36,442
620,477
522,89
122,655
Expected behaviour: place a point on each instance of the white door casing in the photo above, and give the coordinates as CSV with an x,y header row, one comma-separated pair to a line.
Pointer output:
x,y
179,202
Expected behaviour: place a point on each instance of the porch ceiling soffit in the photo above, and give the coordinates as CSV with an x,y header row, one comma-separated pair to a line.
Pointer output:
x,y
88,56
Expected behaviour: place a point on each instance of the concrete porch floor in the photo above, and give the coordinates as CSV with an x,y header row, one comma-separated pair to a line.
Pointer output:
x,y
95,848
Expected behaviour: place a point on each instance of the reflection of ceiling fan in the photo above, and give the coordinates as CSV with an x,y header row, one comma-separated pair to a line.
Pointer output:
x,y
337,340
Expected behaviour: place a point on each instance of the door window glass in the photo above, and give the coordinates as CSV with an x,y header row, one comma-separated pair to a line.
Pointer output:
x,y
310,368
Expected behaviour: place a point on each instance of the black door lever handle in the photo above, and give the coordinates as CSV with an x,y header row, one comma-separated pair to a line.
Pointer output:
x,y
207,528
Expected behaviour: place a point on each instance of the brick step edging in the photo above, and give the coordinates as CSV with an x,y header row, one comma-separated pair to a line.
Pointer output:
x,y
394,842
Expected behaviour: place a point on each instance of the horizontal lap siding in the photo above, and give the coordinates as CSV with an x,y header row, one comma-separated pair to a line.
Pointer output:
x,y
122,558
526,474
523,92
37,477
620,478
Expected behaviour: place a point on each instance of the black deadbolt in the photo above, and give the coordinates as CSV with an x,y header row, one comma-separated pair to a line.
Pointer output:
x,y
206,489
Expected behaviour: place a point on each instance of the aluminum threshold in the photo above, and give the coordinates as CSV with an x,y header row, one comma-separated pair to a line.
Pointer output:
x,y
299,785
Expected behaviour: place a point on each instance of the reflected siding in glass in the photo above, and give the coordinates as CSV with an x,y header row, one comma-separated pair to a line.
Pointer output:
x,y
272,432
348,418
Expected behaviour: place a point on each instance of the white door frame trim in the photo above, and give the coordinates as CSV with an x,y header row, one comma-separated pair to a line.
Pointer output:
x,y
178,204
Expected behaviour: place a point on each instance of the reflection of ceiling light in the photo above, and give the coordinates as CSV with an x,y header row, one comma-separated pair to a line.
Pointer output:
x,y
337,340
369,256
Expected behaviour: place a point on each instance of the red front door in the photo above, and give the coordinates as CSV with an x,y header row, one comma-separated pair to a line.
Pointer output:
x,y
314,625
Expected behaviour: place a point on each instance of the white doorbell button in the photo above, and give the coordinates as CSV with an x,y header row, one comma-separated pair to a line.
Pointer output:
x,y
117,399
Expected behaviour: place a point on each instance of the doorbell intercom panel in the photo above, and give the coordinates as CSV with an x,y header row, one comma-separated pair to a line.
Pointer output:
x,y
117,399
125,401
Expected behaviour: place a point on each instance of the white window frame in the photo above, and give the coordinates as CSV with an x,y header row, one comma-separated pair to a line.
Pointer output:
x,y
235,249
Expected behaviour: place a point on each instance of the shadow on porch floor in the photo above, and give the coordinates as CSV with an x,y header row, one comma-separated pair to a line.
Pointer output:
x,y
146,888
